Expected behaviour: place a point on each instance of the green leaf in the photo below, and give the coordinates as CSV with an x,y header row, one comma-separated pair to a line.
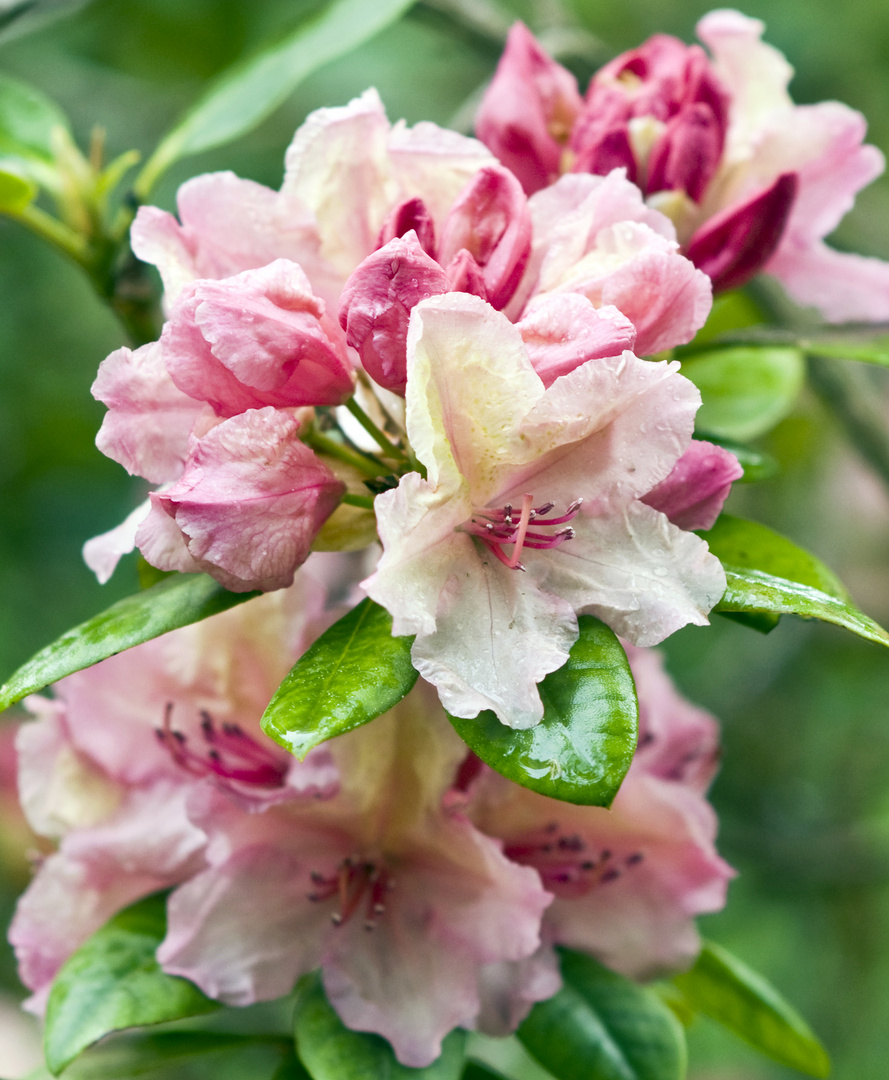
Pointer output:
x,y
725,989
769,576
175,602
113,981
475,1071
25,16
762,596
581,749
745,390
172,1055
16,191
753,546
247,93
352,674
27,119
600,1025
331,1051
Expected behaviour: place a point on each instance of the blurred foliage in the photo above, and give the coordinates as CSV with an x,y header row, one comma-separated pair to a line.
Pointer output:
x,y
804,791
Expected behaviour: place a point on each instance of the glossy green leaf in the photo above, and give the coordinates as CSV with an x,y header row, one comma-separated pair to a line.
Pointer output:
x,y
581,749
174,1055
760,595
770,576
331,1051
756,547
603,1026
352,674
246,94
16,191
745,390
725,989
175,602
113,981
27,119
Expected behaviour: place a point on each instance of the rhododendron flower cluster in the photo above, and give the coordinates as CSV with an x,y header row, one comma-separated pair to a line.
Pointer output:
x,y
751,181
429,890
436,399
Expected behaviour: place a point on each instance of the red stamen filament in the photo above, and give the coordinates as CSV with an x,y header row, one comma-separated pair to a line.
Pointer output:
x,y
498,527
231,755
353,881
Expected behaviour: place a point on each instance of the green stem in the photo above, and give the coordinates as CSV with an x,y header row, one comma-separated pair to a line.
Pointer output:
x,y
849,395
362,462
378,436
55,232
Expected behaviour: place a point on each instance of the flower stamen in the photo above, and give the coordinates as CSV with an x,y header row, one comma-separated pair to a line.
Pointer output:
x,y
496,527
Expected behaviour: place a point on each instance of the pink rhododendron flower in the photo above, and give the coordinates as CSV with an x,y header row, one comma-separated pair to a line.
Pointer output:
x,y
247,507
347,170
410,911
629,881
509,464
109,766
692,496
751,181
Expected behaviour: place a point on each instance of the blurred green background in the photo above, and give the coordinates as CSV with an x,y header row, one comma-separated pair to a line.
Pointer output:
x,y
804,790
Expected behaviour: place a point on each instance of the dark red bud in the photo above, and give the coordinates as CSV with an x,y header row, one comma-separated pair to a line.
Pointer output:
x,y
408,215
465,275
688,153
734,245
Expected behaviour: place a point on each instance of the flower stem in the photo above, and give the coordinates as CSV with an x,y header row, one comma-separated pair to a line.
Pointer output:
x,y
365,501
379,437
364,463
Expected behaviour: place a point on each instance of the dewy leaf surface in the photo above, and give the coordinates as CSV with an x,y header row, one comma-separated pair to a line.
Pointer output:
x,y
746,390
177,601
113,981
331,1051
353,673
251,90
725,989
581,749
603,1026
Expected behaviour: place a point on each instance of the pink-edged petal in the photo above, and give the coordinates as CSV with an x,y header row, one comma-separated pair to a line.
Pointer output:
x,y
251,500
270,331
377,302
149,420
490,220
66,902
229,225
665,297
469,379
692,496
457,904
528,110
239,940
634,570
754,73
563,331
497,635
160,539
102,553
59,788
508,990
844,287
678,741
640,922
